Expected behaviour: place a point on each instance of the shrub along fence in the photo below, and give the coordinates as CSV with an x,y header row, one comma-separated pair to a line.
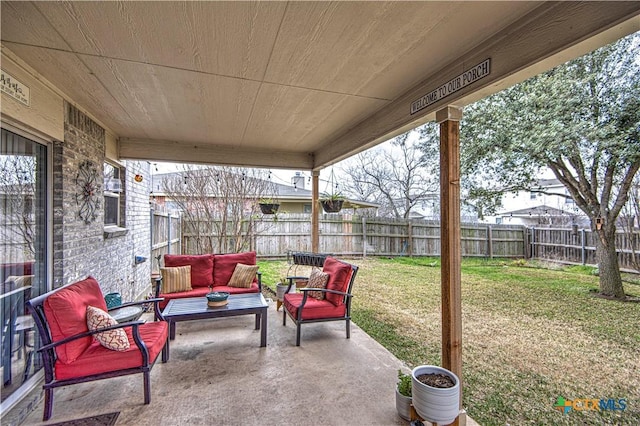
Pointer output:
x,y
350,235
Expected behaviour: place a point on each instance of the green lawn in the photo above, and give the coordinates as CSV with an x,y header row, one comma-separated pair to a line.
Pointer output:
x,y
530,335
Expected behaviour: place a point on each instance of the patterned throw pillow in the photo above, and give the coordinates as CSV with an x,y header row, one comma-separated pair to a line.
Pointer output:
x,y
176,279
116,340
317,279
243,275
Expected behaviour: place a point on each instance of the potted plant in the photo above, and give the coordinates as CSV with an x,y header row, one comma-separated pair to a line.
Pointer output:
x,y
332,203
268,206
281,289
403,395
435,393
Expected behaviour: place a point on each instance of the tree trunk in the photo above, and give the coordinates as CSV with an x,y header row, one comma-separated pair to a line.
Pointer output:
x,y
610,278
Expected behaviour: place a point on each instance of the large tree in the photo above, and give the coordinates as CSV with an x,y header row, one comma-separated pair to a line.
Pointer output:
x,y
397,175
581,120
218,203
17,193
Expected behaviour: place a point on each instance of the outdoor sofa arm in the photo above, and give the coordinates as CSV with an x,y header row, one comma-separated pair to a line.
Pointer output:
x,y
138,302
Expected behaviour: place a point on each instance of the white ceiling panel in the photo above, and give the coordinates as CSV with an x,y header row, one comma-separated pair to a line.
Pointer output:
x,y
310,81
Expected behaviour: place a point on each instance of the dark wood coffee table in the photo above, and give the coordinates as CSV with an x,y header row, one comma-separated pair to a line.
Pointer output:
x,y
195,308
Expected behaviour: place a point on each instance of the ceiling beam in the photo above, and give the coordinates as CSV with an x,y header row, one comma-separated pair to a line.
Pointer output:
x,y
546,32
187,152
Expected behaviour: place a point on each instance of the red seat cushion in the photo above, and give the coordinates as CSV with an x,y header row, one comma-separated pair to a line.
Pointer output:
x,y
201,267
66,312
97,359
313,308
339,276
196,292
225,264
238,290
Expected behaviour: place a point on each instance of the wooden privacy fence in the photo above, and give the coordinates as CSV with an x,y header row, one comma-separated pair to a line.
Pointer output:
x,y
346,235
572,245
166,235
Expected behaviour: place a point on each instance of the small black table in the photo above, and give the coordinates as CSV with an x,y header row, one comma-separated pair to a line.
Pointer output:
x,y
195,308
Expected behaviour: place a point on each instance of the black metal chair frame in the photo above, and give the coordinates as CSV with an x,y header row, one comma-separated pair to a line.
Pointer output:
x,y
298,321
47,349
302,258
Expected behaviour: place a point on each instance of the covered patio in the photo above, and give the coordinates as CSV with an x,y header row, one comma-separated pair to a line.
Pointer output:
x,y
218,374
295,85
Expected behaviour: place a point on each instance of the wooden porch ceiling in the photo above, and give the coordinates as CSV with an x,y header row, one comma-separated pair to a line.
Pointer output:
x,y
287,84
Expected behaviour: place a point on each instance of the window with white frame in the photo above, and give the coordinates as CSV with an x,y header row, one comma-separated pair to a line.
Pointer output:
x,y
113,208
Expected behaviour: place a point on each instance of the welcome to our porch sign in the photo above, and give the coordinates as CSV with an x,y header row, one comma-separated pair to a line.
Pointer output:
x,y
14,88
471,75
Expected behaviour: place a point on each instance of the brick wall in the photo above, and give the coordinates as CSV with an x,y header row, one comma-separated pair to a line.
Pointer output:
x,y
82,249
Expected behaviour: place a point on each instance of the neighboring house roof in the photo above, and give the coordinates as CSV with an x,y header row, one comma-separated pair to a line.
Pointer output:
x,y
535,211
281,192
549,183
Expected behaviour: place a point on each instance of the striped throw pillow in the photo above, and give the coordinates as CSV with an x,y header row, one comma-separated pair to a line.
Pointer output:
x,y
317,279
243,275
176,279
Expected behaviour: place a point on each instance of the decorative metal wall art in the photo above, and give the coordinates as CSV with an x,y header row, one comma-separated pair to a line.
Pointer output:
x,y
87,196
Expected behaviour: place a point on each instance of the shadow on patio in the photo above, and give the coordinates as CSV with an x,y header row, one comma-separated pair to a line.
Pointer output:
x,y
218,374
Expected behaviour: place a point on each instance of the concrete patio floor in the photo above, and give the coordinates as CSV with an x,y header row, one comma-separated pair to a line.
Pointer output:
x,y
219,375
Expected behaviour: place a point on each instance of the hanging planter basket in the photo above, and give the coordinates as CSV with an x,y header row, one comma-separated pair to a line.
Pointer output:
x,y
332,206
269,208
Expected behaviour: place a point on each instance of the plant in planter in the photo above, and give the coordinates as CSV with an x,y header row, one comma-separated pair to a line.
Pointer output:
x,y
332,203
435,394
281,289
403,395
268,206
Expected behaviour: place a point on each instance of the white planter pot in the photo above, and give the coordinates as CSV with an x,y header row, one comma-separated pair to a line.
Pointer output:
x,y
281,289
403,405
435,405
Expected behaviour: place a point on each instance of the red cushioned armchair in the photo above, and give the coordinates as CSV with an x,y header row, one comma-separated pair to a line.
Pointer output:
x,y
336,305
71,354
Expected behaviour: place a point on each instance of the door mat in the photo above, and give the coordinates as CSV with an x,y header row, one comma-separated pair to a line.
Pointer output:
x,y
108,419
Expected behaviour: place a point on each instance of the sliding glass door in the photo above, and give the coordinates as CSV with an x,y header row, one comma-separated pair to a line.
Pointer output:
x,y
23,255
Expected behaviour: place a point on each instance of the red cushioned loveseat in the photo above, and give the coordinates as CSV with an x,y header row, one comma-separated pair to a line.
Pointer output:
x,y
209,270
70,352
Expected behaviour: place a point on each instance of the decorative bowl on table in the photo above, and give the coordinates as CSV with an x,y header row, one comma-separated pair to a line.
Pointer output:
x,y
217,298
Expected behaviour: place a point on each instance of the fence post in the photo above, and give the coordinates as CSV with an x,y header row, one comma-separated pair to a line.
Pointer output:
x,y
179,227
533,242
364,236
169,233
151,216
410,238
583,243
490,241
